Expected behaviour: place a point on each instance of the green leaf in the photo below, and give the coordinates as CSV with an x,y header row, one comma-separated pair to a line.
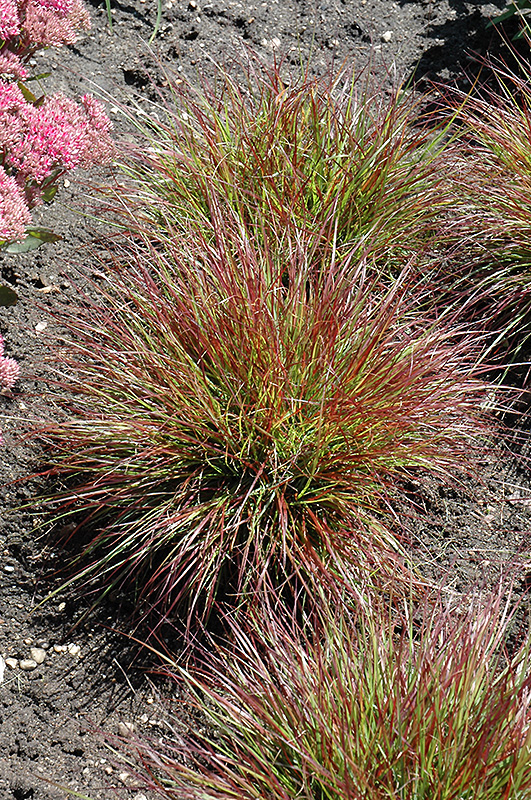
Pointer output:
x,y
44,234
49,194
8,297
38,77
29,96
34,239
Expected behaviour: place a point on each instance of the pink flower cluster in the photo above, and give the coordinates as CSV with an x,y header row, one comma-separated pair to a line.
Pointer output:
x,y
11,66
9,372
38,143
58,134
14,211
9,369
42,138
27,25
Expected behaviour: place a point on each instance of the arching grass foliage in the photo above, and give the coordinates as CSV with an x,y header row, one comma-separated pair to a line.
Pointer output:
x,y
242,411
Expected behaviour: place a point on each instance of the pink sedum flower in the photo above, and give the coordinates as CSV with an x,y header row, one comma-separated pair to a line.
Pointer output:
x,y
63,6
11,66
9,369
99,148
9,19
9,372
14,115
51,140
40,23
60,134
11,98
40,141
14,212
47,24
57,136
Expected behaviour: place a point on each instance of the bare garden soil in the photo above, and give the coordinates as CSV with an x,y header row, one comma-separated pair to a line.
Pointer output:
x,y
93,677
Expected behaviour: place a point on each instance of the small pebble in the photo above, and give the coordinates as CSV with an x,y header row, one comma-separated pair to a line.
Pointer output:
x,y
387,36
60,648
8,568
41,326
37,654
27,664
73,649
28,641
12,663
125,728
61,606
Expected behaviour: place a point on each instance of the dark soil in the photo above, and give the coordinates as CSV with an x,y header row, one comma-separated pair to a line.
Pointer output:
x,y
48,716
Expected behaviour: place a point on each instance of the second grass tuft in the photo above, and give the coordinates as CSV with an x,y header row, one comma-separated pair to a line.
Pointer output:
x,y
429,704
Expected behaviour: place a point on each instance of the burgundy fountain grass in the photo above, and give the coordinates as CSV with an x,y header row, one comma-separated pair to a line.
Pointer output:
x,y
491,180
430,704
242,411
309,149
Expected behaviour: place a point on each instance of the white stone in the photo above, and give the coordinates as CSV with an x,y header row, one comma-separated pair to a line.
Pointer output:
x,y
37,654
387,36
12,663
125,728
27,664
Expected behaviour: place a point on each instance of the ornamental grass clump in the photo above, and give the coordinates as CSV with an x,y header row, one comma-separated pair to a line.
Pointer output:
x,y
429,705
492,188
242,409
309,149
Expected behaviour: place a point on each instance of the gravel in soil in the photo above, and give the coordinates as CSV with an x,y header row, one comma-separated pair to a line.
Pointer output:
x,y
67,676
